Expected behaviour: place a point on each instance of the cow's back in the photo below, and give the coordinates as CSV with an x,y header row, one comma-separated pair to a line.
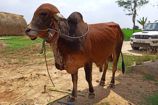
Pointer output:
x,y
119,36
101,41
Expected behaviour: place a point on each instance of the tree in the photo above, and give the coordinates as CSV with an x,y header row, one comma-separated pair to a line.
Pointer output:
x,y
132,6
142,21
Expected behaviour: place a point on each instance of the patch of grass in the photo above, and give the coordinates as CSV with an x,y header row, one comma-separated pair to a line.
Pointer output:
x,y
130,60
149,77
128,33
153,99
18,42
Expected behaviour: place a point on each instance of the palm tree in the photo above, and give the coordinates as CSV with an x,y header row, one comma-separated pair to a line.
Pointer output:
x,y
142,21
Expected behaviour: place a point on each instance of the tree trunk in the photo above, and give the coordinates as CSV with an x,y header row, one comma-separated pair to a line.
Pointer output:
x,y
133,20
134,14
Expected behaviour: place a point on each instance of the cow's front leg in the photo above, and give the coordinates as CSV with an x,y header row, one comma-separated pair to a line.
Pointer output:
x,y
88,72
74,90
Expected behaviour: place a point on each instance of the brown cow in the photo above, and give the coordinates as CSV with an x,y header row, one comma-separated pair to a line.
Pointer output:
x,y
76,44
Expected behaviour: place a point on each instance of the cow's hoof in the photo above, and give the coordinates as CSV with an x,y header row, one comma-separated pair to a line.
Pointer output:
x,y
71,99
112,85
102,83
91,96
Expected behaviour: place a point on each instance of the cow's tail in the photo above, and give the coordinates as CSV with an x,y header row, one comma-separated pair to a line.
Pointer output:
x,y
120,43
123,64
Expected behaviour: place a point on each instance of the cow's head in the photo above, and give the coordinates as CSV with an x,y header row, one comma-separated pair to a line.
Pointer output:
x,y
46,16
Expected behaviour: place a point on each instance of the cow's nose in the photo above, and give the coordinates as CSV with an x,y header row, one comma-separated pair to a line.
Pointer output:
x,y
27,30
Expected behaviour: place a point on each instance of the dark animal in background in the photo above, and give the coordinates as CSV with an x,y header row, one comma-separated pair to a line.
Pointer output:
x,y
77,44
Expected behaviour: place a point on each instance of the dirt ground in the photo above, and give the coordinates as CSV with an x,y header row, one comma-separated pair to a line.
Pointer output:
x,y
23,77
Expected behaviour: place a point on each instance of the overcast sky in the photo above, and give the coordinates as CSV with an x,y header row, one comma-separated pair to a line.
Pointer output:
x,y
93,11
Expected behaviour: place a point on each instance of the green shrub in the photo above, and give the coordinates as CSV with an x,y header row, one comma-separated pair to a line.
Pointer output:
x,y
128,33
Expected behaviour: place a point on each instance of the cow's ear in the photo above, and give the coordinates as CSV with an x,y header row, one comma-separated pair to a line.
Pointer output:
x,y
58,16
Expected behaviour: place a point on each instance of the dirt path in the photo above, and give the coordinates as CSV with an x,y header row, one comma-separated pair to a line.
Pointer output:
x,y
23,77
127,49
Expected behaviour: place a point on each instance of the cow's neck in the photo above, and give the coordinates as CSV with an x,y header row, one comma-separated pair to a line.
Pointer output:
x,y
66,51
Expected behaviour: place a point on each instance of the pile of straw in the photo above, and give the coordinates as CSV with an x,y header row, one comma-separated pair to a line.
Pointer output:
x,y
12,24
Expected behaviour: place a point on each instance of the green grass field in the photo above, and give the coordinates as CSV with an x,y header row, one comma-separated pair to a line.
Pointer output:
x,y
131,59
18,42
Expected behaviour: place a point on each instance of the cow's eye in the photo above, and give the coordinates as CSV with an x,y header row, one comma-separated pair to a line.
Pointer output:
x,y
43,14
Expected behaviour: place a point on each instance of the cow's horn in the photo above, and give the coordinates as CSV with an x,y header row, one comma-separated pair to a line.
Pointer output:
x,y
58,16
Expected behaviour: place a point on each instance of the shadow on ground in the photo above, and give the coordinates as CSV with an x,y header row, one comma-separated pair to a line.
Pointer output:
x,y
82,99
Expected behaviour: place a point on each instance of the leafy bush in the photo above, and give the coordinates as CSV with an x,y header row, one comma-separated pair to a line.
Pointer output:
x,y
128,33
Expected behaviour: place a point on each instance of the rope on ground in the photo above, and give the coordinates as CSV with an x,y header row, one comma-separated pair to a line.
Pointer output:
x,y
57,100
63,91
45,57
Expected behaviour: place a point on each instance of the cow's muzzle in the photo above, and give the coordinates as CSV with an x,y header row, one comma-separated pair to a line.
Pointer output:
x,y
31,33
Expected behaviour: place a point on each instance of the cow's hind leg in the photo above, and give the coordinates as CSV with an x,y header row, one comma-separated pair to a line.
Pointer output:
x,y
88,74
112,83
102,81
114,68
74,91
